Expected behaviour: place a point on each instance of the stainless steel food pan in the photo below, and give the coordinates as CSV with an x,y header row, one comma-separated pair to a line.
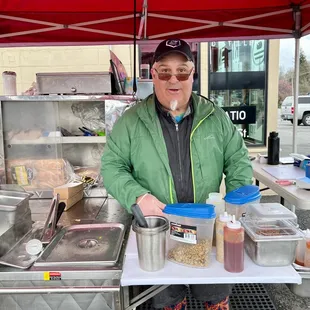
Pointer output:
x,y
271,253
13,207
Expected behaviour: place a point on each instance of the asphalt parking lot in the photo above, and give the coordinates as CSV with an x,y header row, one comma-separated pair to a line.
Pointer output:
x,y
285,129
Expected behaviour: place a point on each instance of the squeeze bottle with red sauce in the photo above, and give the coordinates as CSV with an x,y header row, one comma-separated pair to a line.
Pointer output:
x,y
307,251
234,246
301,249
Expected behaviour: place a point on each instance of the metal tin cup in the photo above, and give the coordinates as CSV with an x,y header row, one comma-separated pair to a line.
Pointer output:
x,y
151,242
9,83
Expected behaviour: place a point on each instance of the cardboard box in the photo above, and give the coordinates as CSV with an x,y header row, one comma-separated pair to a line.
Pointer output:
x,y
68,190
73,200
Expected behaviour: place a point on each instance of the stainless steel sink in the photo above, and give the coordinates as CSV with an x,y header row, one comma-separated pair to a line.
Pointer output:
x,y
86,245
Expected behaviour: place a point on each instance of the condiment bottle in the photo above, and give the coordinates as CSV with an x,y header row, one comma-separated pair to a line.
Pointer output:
x,y
220,223
216,199
301,249
307,251
234,246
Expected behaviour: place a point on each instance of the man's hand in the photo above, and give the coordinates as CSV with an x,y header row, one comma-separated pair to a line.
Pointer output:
x,y
150,205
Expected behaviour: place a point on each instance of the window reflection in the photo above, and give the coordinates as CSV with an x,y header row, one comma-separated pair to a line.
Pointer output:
x,y
238,78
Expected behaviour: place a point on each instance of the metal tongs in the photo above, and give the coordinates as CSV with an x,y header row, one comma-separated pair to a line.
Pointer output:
x,y
49,229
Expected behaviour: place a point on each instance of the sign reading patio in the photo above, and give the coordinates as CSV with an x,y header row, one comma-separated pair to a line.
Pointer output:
x,y
241,115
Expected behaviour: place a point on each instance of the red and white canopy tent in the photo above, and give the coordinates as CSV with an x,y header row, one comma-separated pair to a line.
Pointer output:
x,y
72,22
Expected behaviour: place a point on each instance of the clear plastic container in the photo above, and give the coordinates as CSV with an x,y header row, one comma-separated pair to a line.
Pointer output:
x,y
270,211
237,201
191,233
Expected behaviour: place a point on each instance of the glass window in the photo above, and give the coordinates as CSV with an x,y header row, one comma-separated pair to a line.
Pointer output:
x,y
304,100
238,84
288,101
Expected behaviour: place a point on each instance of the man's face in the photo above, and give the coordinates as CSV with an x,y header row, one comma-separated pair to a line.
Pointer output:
x,y
173,89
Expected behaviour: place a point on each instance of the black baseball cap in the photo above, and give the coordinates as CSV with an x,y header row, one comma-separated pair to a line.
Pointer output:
x,y
173,46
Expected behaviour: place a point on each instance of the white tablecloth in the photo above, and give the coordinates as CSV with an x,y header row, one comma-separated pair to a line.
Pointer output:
x,y
177,274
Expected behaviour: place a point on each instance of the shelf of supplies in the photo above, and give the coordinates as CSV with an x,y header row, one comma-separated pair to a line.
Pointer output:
x,y
59,140
83,139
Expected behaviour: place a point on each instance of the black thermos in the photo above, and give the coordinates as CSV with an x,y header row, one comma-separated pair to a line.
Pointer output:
x,y
273,148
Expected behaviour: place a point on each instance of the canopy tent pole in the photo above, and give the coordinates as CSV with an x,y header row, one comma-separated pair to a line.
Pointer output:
x,y
145,5
297,35
296,93
134,46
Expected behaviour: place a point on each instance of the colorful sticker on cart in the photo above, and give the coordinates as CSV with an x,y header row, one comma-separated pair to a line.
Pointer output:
x,y
52,276
183,233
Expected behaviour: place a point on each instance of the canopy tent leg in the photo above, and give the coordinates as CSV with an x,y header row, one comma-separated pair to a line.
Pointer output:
x,y
296,93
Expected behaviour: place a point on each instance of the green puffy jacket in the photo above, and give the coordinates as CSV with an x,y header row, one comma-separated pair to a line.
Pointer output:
x,y
135,160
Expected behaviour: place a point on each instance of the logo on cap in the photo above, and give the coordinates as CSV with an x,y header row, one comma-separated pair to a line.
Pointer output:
x,y
173,43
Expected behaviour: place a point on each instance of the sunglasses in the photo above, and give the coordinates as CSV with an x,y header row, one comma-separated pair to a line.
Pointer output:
x,y
180,76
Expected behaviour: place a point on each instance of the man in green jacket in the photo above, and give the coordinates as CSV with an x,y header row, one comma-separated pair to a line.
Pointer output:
x,y
172,147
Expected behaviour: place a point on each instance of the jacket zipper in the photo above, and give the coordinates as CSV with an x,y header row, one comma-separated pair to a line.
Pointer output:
x,y
190,147
179,153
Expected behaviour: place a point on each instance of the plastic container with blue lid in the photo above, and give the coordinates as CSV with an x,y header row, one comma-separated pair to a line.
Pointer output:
x,y
239,199
192,210
191,233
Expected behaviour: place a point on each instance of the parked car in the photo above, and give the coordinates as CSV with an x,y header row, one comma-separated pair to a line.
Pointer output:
x,y
287,109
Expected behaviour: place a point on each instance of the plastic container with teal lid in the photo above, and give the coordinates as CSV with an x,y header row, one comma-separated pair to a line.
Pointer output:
x,y
239,199
191,233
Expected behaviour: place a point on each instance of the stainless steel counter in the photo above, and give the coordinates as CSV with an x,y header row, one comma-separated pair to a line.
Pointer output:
x,y
90,210
68,288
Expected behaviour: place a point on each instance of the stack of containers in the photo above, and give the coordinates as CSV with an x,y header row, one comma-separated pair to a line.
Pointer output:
x,y
303,266
271,234
191,233
239,199
15,216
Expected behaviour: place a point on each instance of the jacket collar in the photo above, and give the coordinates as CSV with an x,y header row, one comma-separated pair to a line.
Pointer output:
x,y
202,107
161,111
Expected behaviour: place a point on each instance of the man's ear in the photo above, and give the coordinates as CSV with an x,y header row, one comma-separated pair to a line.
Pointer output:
x,y
153,73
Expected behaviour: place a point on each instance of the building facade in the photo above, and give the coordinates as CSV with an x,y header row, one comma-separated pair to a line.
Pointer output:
x,y
239,76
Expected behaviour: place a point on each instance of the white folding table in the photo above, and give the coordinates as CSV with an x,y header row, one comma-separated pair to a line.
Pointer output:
x,y
178,274
299,198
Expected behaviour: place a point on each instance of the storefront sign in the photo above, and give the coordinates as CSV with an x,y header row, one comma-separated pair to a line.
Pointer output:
x,y
241,115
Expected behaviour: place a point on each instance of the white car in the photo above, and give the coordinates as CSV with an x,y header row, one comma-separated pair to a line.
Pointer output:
x,y
287,110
